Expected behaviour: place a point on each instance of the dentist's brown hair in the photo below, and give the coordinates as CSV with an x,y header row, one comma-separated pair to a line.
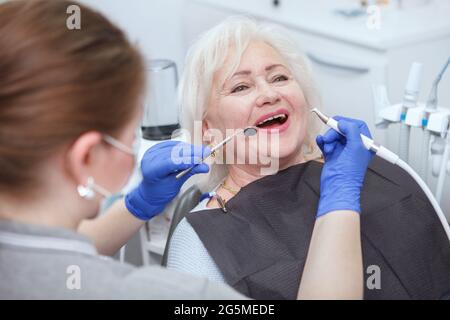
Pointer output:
x,y
56,84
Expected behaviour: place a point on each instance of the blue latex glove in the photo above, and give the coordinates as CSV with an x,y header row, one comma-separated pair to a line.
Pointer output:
x,y
159,186
346,162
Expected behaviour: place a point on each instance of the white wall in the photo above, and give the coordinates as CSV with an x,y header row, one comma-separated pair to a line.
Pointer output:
x,y
155,24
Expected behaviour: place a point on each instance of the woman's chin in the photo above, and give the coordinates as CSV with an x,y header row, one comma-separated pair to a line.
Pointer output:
x,y
285,154
285,148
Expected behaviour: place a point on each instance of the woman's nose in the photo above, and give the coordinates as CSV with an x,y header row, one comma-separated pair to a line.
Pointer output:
x,y
267,96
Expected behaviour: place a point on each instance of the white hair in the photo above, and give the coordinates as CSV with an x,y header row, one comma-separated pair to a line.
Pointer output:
x,y
207,55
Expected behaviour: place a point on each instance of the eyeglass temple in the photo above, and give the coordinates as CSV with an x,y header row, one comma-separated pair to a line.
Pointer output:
x,y
119,145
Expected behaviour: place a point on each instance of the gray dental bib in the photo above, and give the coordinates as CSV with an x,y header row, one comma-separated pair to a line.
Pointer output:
x,y
261,244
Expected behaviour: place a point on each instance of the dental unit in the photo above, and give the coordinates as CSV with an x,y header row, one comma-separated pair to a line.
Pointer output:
x,y
396,160
439,126
248,132
431,107
420,118
410,98
407,113
443,169
432,119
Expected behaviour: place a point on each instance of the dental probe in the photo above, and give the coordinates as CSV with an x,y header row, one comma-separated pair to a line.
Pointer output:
x,y
248,132
391,157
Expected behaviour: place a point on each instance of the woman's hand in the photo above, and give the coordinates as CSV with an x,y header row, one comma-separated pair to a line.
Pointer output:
x,y
346,162
159,185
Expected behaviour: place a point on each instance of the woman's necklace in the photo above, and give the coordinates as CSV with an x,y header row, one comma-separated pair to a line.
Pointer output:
x,y
220,200
232,191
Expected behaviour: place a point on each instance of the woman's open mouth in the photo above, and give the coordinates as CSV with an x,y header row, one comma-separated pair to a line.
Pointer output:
x,y
276,121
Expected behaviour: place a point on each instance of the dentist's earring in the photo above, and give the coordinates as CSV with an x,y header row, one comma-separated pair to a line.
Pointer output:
x,y
87,192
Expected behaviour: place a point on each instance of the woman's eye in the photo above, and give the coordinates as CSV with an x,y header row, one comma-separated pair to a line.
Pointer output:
x,y
280,78
239,88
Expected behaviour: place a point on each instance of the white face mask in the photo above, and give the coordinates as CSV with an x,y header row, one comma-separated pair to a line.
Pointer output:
x,y
91,188
134,150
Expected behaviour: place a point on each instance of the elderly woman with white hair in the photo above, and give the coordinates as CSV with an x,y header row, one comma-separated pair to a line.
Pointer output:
x,y
254,229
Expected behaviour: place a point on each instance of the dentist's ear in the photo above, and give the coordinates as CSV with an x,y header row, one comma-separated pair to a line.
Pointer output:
x,y
83,157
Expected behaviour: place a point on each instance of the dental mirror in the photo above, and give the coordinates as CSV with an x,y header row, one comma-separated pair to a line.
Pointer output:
x,y
248,132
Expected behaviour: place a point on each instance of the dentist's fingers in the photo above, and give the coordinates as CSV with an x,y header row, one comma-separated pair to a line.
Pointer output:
x,y
319,141
168,167
326,148
172,156
351,130
332,136
186,150
361,124
330,147
200,168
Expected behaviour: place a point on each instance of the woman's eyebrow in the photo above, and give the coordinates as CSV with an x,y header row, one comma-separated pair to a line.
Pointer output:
x,y
268,68
247,72
273,66
240,73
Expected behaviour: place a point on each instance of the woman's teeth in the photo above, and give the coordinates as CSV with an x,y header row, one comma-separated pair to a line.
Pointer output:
x,y
279,119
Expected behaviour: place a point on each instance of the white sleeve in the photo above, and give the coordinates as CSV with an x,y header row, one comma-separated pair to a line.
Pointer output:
x,y
188,254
